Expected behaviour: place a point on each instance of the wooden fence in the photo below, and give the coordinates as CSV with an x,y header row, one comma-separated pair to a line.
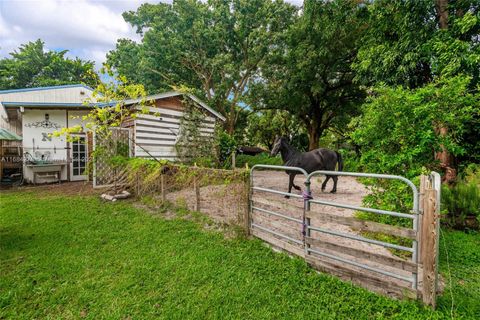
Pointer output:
x,y
333,242
329,241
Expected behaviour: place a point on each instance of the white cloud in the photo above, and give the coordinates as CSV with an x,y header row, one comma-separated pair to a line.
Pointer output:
x,y
90,28
87,28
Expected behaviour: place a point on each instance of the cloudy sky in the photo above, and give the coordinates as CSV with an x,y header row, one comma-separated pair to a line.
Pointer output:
x,y
87,28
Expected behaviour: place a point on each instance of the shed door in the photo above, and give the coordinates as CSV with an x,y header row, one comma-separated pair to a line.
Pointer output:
x,y
79,156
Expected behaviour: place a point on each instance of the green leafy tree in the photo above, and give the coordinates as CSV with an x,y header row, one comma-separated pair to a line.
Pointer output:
x,y
215,46
310,75
418,43
412,43
264,127
34,66
397,131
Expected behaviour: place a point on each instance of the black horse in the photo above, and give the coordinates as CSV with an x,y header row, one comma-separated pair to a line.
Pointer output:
x,y
318,159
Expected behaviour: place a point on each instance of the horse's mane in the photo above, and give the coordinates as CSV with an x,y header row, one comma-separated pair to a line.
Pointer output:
x,y
288,151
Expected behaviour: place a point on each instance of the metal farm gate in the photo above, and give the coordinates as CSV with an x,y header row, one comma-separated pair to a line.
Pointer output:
x,y
339,243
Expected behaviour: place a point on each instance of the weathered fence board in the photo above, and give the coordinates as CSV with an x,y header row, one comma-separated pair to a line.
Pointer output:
x,y
375,284
430,242
363,225
276,242
358,253
287,207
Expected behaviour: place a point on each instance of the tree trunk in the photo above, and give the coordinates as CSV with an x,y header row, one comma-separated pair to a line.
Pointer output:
x,y
230,127
445,158
441,7
313,136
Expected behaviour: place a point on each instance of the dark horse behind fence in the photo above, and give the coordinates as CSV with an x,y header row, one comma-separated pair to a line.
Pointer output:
x,y
318,159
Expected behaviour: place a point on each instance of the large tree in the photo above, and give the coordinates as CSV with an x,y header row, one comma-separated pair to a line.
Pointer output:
x,y
310,75
34,66
213,46
416,43
264,127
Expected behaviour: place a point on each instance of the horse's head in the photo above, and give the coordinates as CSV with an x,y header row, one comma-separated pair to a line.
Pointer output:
x,y
277,145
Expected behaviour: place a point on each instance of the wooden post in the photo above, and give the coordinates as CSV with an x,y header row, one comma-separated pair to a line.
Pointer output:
x,y
423,184
115,191
246,217
233,160
196,187
430,243
162,187
137,187
1,160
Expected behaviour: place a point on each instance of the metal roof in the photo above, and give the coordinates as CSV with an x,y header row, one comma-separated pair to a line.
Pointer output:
x,y
46,88
174,94
43,104
7,135
100,104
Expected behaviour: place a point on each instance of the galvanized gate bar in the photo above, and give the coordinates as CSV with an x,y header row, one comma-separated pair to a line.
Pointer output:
x,y
268,166
363,266
278,214
276,233
307,228
277,192
415,209
371,175
377,211
359,238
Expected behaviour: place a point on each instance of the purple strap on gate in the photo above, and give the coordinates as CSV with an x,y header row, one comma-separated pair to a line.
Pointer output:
x,y
307,195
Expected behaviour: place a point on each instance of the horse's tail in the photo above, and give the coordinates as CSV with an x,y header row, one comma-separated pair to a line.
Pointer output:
x,y
340,161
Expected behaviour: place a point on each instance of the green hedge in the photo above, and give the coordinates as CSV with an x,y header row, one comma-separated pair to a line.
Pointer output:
x,y
262,158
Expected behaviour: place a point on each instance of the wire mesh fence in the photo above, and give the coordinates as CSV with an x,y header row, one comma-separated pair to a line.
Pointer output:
x,y
220,194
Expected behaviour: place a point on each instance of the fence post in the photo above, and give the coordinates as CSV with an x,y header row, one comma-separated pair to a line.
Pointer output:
x,y
306,220
423,185
430,240
196,188
115,191
162,187
248,191
137,187
233,160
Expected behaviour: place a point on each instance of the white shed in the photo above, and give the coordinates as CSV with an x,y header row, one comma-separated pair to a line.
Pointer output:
x,y
35,113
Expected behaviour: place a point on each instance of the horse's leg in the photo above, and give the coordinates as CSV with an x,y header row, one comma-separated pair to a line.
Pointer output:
x,y
324,184
290,184
335,179
295,186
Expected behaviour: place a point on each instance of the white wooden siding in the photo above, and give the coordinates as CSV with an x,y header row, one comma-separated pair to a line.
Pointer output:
x,y
156,135
168,112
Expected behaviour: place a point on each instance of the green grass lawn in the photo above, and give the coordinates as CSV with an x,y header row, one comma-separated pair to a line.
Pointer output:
x,y
75,257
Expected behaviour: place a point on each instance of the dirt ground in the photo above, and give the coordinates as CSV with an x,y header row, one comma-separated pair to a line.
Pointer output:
x,y
77,188
225,204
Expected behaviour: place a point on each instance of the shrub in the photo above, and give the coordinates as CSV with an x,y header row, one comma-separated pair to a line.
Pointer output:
x,y
461,203
262,158
226,144
193,146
